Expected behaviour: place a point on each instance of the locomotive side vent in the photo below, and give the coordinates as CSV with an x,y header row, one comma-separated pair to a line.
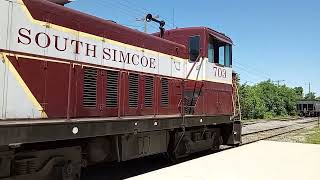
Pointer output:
x,y
164,92
112,89
148,93
90,87
133,90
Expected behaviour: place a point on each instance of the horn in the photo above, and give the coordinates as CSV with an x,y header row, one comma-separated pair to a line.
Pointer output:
x,y
149,17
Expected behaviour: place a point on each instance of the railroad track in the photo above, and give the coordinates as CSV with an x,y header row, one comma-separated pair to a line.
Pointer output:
x,y
276,131
266,121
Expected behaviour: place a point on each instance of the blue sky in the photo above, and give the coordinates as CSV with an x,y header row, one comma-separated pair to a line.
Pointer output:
x,y
274,39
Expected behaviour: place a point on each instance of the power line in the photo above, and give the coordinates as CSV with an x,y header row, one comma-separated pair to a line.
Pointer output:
x,y
146,11
251,73
124,9
253,69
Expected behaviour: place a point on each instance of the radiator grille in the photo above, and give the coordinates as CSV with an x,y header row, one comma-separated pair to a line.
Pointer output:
x,y
112,89
133,90
148,93
164,92
90,87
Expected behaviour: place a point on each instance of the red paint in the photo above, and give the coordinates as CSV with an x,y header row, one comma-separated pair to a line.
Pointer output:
x,y
55,14
50,85
58,87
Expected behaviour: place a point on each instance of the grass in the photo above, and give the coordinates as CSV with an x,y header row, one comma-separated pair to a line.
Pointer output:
x,y
314,136
272,118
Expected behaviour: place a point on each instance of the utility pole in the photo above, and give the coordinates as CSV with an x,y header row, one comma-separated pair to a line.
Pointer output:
x,y
309,87
278,82
143,19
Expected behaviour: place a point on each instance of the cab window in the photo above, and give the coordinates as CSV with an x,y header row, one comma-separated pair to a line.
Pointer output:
x,y
228,55
210,51
219,52
221,55
194,47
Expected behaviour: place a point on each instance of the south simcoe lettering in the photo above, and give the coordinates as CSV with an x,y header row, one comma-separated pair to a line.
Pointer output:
x,y
62,44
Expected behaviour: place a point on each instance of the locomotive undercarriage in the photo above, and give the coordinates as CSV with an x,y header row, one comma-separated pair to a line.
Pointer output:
x,y
62,159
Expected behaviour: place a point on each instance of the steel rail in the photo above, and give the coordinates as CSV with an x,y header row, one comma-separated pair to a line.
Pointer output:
x,y
278,134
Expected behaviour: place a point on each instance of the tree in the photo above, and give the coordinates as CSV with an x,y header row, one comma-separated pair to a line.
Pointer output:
x,y
310,96
267,100
299,92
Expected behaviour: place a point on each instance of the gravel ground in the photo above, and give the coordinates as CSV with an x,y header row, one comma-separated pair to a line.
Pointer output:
x,y
260,131
265,125
294,137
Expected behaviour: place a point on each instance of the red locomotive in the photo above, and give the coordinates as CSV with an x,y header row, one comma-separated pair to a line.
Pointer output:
x,y
78,90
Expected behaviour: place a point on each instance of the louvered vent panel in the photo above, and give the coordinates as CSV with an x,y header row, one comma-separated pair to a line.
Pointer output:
x,y
164,92
112,89
148,94
133,90
90,87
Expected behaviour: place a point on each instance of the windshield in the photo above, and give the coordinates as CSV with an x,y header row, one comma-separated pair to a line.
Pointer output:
x,y
219,52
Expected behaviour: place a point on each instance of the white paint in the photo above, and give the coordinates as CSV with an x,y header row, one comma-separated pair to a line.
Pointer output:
x,y
4,8
205,72
15,102
165,65
264,160
3,85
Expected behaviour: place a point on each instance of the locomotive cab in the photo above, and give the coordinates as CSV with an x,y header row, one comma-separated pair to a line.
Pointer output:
x,y
211,84
210,50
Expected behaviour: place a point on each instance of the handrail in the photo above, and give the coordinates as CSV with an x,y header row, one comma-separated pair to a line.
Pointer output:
x,y
195,62
238,100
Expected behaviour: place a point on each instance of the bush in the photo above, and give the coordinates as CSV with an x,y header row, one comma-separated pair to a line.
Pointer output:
x,y
268,100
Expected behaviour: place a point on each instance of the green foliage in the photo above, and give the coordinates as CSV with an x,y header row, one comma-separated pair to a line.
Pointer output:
x,y
299,92
268,100
310,95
